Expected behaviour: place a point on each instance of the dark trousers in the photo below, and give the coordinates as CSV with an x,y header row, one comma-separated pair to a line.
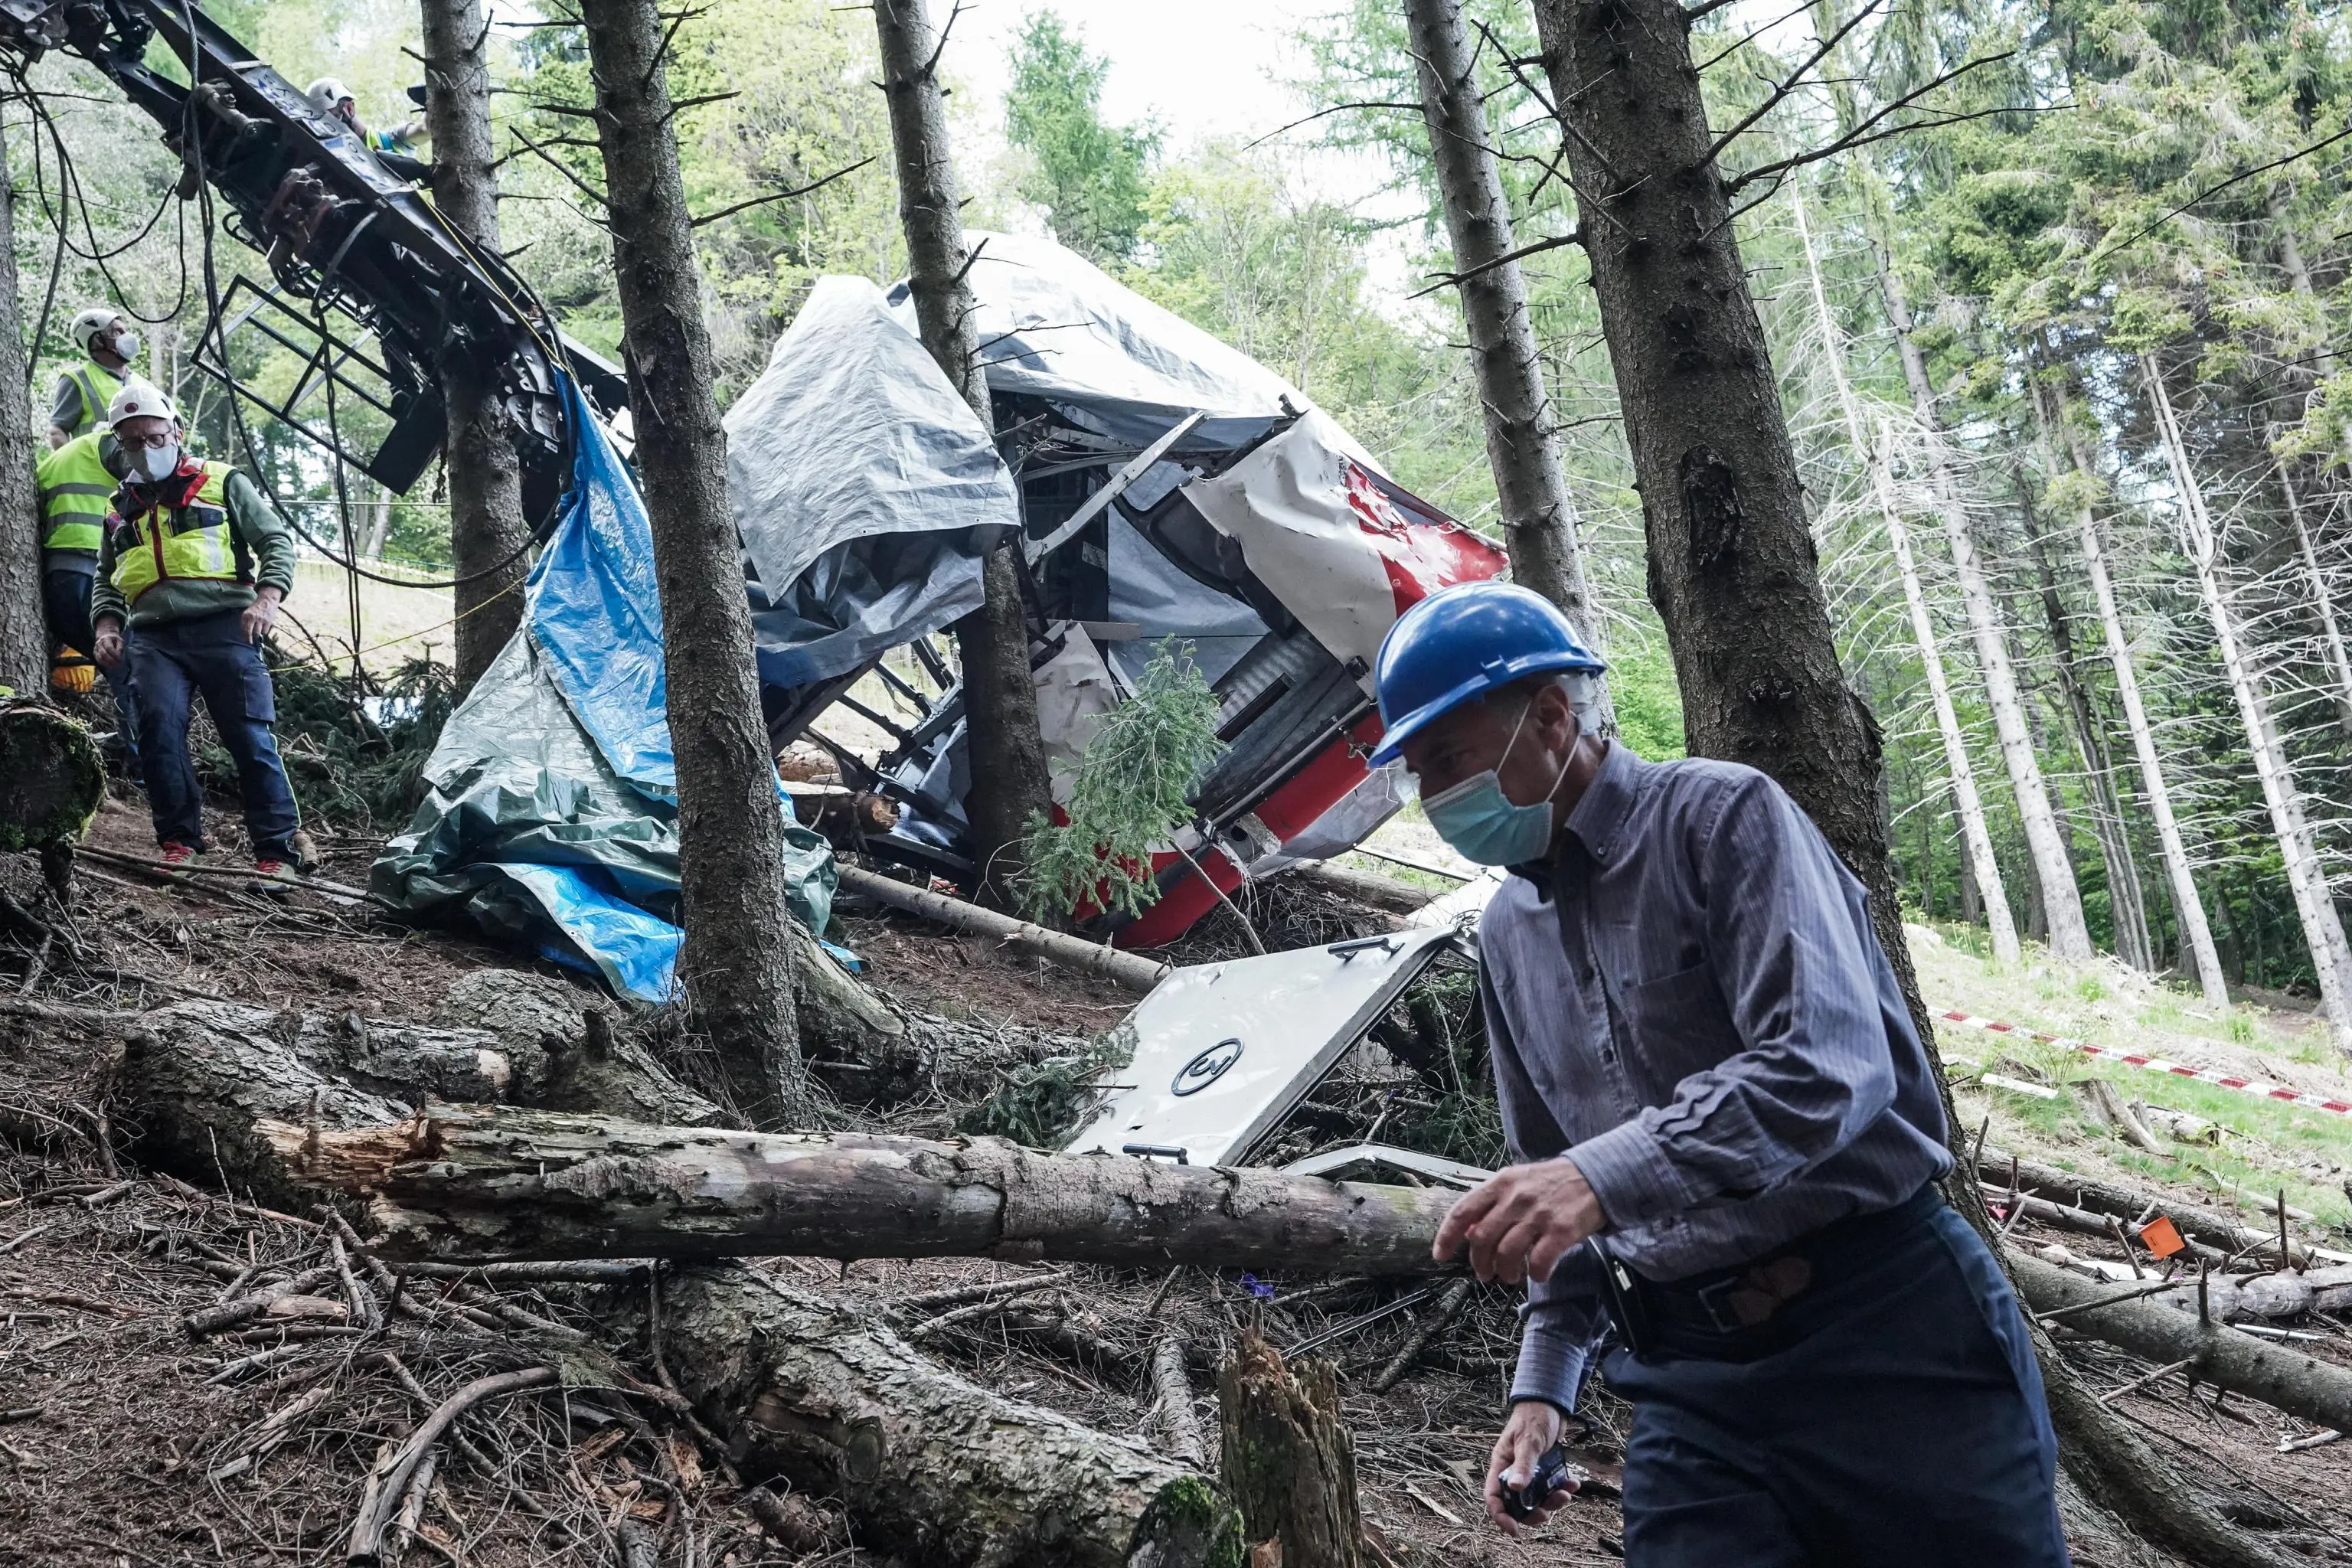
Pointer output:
x,y
1891,1415
65,605
172,663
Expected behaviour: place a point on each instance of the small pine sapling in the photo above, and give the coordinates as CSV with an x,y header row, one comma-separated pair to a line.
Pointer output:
x,y
1132,793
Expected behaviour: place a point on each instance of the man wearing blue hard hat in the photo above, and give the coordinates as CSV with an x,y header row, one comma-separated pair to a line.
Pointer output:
x,y
1725,1139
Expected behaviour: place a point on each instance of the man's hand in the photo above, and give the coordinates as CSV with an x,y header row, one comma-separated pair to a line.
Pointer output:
x,y
1533,1427
107,642
260,614
1520,1222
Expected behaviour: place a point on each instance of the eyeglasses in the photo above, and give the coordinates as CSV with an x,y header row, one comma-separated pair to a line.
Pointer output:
x,y
155,443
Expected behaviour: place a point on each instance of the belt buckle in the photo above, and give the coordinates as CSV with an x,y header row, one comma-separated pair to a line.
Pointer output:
x,y
1716,1300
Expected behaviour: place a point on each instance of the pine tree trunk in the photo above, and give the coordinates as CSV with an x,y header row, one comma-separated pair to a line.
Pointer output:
x,y
736,962
1539,520
1732,568
2197,934
2061,900
2339,665
2127,899
1974,835
487,526
24,629
1287,1458
2323,930
1006,755
2299,277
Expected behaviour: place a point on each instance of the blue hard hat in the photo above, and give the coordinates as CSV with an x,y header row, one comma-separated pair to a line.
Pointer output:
x,y
1455,647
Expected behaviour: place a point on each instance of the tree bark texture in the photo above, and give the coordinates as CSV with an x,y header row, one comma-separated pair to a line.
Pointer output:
x,y
1732,567
1539,520
2126,899
934,1469
2331,959
1871,444
2069,935
736,963
487,526
1007,755
1287,1459
24,629
2196,932
2303,1386
482,1183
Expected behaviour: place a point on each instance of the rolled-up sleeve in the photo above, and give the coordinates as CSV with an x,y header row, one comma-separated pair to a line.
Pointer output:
x,y
1785,953
1563,1316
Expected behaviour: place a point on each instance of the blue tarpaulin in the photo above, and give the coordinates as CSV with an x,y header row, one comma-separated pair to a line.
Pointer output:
x,y
551,816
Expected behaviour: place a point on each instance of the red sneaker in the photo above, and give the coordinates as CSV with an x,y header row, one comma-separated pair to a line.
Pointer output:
x,y
270,868
177,854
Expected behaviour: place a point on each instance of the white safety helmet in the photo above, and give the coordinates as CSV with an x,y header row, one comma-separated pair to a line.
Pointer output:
x,y
92,322
141,400
325,93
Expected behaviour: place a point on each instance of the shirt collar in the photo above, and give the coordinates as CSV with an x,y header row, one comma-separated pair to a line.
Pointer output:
x,y
1598,818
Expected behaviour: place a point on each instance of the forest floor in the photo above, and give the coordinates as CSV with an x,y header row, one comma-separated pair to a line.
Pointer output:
x,y
124,1440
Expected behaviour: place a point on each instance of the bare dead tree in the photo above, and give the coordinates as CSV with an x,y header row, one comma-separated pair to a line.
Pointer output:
x,y
736,963
487,526
1539,520
24,632
1007,757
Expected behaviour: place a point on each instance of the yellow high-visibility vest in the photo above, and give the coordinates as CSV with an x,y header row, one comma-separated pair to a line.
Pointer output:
x,y
99,385
75,494
190,541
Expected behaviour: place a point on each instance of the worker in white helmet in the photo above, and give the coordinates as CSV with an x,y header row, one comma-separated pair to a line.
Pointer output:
x,y
396,149
107,346
189,579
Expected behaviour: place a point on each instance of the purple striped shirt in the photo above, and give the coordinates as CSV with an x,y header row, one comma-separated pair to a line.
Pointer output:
x,y
1704,1021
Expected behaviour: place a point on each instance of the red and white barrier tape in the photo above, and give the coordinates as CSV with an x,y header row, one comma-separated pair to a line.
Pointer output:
x,y
2157,1064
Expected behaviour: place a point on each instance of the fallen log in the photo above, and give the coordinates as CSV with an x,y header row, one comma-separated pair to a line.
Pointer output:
x,y
196,1078
932,1468
2196,1221
478,1181
2314,1390
1389,893
1128,970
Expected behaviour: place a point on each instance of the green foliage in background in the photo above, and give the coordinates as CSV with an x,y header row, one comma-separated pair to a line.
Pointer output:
x,y
1131,792
1090,177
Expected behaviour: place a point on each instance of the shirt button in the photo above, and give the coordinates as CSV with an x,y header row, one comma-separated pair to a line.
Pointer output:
x,y
1585,976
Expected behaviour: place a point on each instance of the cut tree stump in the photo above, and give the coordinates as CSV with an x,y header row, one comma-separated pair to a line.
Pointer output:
x,y
931,1467
1287,1460
483,1183
52,777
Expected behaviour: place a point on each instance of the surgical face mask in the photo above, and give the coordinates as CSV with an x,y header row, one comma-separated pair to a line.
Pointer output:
x,y
1483,824
160,461
126,344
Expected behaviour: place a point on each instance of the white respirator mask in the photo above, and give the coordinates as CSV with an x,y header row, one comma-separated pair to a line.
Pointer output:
x,y
160,461
126,344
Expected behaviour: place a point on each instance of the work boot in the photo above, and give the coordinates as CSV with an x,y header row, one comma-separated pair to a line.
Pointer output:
x,y
302,852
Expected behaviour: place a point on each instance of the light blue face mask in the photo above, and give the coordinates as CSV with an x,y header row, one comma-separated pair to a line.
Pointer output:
x,y
1481,824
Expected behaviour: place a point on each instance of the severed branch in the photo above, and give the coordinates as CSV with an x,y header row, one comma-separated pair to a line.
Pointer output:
x,y
383,1507
778,195
1864,133
1534,247
1781,91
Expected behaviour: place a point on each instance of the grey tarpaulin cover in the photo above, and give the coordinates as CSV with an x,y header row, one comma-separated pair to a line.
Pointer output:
x,y
865,488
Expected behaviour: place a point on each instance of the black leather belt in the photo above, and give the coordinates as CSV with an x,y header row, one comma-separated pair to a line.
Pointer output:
x,y
1747,1295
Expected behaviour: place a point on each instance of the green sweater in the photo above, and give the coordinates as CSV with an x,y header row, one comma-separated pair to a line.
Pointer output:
x,y
264,558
